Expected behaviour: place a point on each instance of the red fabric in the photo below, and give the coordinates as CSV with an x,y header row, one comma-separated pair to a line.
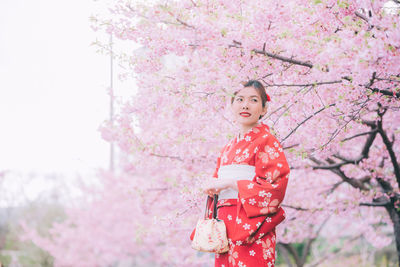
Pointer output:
x,y
258,254
251,219
260,199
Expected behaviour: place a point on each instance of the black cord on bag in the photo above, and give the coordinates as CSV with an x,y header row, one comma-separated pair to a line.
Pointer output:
x,y
215,206
215,211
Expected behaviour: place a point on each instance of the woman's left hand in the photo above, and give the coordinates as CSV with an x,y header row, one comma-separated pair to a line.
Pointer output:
x,y
214,187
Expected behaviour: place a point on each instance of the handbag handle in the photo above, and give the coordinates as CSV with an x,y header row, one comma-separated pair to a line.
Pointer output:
x,y
214,207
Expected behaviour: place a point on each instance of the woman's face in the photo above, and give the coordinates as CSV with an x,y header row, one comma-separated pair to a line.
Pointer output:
x,y
247,107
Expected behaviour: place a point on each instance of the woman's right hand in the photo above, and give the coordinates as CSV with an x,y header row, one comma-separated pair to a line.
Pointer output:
x,y
216,186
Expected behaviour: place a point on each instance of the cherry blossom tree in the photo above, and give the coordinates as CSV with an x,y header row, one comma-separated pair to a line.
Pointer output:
x,y
332,70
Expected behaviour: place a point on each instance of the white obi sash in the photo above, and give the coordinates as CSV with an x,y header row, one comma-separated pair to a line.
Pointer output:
x,y
237,172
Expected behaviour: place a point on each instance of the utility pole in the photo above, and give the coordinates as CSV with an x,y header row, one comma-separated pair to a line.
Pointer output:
x,y
111,92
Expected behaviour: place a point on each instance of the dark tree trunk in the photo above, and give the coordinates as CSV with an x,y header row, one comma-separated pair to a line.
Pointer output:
x,y
285,255
395,217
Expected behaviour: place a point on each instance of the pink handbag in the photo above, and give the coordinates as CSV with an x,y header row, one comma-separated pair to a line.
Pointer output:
x,y
210,234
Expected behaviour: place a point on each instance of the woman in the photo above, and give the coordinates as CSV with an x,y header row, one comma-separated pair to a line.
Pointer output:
x,y
252,174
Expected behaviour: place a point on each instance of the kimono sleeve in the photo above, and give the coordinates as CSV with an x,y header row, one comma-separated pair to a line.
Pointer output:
x,y
215,175
265,193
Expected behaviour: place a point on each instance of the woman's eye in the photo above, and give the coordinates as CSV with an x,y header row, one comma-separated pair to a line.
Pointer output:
x,y
238,99
254,100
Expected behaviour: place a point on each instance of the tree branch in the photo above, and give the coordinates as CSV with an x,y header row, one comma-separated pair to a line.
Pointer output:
x,y
361,16
307,249
352,181
357,135
389,147
285,59
163,156
385,92
295,208
285,254
292,251
364,153
305,84
308,64
375,204
184,23
309,117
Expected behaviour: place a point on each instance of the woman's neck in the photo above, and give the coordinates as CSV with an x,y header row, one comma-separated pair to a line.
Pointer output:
x,y
244,129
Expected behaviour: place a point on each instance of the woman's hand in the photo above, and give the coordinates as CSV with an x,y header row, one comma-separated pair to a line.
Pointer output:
x,y
215,186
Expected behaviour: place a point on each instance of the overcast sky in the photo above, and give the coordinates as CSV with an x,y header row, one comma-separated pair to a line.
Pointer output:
x,y
53,87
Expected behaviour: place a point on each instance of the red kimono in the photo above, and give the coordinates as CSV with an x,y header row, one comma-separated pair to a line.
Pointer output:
x,y
251,217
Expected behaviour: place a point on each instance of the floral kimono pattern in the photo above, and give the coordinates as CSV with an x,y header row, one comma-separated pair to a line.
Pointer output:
x,y
251,219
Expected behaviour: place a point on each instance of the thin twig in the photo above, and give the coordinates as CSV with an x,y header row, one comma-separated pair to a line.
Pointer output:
x,y
284,59
304,121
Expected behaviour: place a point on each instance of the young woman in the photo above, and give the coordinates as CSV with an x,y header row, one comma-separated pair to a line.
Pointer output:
x,y
252,174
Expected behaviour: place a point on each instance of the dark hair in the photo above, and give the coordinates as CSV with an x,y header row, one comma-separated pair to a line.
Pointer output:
x,y
259,88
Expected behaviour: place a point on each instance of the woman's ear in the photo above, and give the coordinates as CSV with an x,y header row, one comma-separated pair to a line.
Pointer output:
x,y
265,109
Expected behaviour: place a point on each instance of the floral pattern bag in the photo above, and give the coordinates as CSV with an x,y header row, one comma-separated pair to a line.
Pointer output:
x,y
210,234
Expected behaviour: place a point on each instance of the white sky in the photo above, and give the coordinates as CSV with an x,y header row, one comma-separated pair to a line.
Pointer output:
x,y
53,87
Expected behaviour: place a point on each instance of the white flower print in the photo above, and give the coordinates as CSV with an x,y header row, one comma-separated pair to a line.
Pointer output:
x,y
246,153
265,135
280,149
252,201
268,219
238,159
229,217
262,193
269,149
250,186
243,200
252,252
274,185
238,151
238,243
269,264
258,242
246,226
258,224
248,138
264,203
224,159
268,194
279,165
272,153
238,221
240,264
255,150
276,144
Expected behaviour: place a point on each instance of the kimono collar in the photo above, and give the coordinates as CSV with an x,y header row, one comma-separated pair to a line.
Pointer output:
x,y
261,127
